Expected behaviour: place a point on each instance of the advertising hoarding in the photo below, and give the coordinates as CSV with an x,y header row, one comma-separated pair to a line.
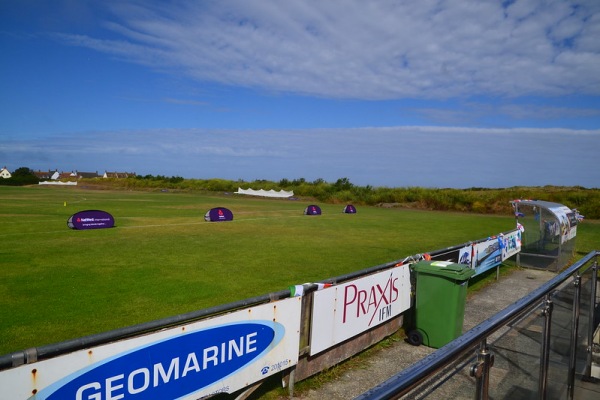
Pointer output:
x,y
217,355
312,210
512,244
91,219
346,310
490,253
567,223
218,214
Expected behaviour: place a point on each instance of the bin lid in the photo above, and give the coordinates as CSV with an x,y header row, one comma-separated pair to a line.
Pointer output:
x,y
458,272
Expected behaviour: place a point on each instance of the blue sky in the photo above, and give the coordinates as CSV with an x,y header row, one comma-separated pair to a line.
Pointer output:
x,y
385,93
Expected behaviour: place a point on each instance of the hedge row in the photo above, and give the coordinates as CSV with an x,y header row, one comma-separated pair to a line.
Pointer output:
x,y
478,200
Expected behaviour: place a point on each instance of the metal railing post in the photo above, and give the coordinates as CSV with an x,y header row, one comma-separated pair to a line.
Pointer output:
x,y
591,322
545,350
419,373
574,333
481,371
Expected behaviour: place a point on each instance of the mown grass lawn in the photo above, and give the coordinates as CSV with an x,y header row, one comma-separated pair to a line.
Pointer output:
x,y
163,259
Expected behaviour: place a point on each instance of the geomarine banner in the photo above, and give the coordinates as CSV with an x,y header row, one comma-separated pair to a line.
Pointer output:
x,y
217,355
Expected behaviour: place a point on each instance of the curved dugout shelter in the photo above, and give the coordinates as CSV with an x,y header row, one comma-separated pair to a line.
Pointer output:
x,y
548,233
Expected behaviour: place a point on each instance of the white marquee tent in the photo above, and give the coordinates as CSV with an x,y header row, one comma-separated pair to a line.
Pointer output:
x,y
265,193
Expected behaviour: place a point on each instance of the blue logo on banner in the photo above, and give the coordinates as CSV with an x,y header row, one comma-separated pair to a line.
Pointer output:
x,y
171,368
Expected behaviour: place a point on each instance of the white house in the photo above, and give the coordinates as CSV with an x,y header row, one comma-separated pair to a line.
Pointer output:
x,y
4,173
45,175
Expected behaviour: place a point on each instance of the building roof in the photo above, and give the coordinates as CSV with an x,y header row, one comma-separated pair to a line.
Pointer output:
x,y
108,174
87,174
44,174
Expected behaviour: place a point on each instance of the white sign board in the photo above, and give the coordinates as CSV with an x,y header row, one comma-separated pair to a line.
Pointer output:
x,y
216,355
512,244
346,310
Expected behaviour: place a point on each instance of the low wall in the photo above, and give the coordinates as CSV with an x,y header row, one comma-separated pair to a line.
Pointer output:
x,y
58,183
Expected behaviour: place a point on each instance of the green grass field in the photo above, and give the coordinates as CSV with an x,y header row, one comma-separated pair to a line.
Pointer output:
x,y
163,259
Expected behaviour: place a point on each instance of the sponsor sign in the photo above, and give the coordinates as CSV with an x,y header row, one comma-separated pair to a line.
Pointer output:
x,y
218,355
218,214
565,228
312,210
346,310
485,255
512,244
350,209
91,219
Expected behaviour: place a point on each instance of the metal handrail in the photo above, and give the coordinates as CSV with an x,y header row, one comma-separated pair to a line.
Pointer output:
x,y
408,379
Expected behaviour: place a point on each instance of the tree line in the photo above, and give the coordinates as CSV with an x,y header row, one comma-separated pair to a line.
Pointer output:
x,y
342,191
21,177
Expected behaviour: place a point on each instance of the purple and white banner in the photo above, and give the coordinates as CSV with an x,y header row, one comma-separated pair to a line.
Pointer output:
x,y
346,310
217,355
218,214
91,219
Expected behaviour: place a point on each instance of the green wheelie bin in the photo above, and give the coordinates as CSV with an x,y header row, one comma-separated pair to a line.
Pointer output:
x,y
440,297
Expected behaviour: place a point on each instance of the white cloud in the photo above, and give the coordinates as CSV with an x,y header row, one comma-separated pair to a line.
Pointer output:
x,y
367,50
394,156
470,113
